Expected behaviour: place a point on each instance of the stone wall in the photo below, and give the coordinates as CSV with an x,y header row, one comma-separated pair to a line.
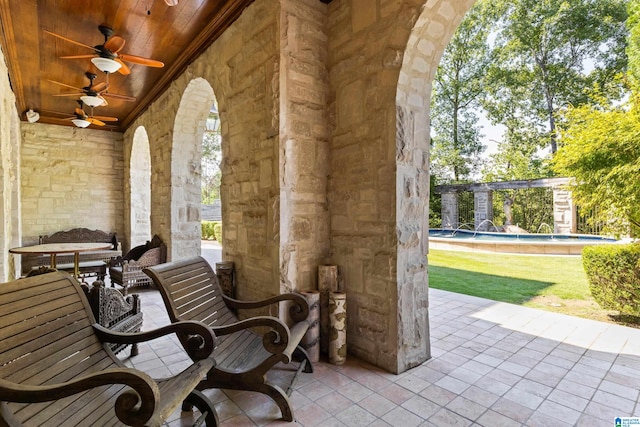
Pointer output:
x,y
71,177
242,69
10,221
303,143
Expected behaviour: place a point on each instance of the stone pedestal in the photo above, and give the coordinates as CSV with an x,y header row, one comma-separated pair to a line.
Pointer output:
x,y
338,328
311,340
327,283
226,277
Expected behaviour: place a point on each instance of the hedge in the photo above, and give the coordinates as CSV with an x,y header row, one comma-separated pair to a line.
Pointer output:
x,y
614,276
212,230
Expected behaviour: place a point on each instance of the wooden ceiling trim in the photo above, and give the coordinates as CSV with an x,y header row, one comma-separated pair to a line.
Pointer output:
x,y
228,13
10,54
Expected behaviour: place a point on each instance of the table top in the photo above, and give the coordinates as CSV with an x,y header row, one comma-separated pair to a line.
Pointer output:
x,y
60,248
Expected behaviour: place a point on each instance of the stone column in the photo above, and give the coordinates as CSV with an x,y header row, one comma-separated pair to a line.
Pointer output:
x,y
564,212
449,210
483,209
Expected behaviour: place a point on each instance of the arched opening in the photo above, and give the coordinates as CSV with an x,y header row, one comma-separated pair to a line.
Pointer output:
x,y
186,169
211,212
140,184
431,33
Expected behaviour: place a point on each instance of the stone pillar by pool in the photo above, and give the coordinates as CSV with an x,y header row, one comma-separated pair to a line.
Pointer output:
x,y
564,212
449,210
483,208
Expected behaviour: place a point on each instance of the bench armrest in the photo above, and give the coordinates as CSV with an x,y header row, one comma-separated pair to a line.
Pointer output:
x,y
199,345
145,392
298,311
274,341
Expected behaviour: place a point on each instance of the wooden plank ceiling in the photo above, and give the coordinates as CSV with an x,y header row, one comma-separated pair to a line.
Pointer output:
x,y
174,35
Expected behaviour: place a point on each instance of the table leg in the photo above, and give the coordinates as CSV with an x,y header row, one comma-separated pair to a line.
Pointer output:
x,y
52,260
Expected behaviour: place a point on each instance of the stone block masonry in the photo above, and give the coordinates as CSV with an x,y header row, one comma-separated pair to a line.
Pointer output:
x,y
71,177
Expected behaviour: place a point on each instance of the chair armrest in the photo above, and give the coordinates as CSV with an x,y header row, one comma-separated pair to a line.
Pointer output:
x,y
145,392
274,341
298,311
200,343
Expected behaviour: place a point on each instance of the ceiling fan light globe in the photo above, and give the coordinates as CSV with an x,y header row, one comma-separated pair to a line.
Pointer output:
x,y
92,101
106,65
81,123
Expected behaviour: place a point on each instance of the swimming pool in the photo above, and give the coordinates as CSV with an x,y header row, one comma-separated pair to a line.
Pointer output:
x,y
549,244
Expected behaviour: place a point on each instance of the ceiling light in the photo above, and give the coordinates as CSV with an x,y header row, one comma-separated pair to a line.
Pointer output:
x,y
92,101
32,116
81,123
106,65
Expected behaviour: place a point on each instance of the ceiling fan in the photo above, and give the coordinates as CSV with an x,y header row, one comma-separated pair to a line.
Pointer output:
x,y
93,95
81,119
108,56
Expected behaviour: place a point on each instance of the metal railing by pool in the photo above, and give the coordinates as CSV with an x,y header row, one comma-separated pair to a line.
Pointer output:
x,y
524,243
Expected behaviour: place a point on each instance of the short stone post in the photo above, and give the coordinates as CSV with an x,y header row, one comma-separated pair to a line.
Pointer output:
x,y
338,328
327,283
311,340
226,276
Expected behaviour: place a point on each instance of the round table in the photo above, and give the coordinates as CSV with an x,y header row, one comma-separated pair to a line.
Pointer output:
x,y
52,249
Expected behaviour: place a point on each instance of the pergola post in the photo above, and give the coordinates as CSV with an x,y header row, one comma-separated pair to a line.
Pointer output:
x,y
482,207
564,212
449,210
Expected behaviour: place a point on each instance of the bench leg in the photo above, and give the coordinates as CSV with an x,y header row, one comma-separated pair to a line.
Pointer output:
x,y
199,400
300,355
281,399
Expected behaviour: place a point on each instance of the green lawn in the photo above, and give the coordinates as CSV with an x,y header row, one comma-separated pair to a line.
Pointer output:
x,y
518,279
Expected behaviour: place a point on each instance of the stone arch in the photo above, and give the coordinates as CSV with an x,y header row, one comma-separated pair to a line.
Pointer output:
x,y
428,38
186,151
140,189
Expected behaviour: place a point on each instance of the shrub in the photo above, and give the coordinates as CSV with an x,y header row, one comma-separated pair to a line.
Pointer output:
x,y
614,276
217,231
212,230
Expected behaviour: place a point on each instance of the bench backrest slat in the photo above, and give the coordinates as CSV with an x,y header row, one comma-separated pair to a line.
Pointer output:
x,y
46,330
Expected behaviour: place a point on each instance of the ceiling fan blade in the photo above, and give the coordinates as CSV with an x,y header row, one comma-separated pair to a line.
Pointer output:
x,y
70,94
57,112
114,44
124,69
89,55
94,121
99,87
104,101
140,60
80,112
120,97
106,119
69,40
64,84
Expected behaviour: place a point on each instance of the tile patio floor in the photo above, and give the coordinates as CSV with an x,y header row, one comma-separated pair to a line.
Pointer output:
x,y
494,364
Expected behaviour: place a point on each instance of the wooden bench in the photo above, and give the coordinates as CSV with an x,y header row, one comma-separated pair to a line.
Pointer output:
x,y
127,271
56,371
191,291
92,263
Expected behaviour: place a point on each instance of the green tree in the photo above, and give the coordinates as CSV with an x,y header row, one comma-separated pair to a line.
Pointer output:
x,y
548,52
458,88
211,158
601,149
